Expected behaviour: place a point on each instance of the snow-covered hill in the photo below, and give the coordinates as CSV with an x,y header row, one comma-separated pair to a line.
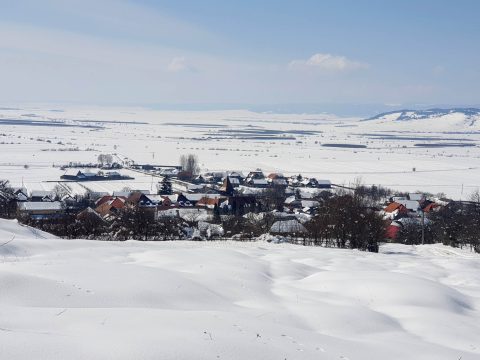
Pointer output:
x,y
78,299
455,119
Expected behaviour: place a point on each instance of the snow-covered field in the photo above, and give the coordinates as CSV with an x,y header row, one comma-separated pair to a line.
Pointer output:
x,y
78,299
40,137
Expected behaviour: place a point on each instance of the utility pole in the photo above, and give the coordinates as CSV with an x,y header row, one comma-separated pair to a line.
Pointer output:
x,y
423,226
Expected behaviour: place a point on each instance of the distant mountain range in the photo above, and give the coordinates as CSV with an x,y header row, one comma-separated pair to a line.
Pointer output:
x,y
408,115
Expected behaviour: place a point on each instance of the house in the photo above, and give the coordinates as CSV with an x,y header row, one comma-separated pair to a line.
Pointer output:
x,y
21,194
277,180
411,205
241,203
41,210
431,207
183,201
392,230
227,188
90,215
194,198
72,174
236,177
310,203
395,210
139,199
416,197
113,175
172,198
210,203
124,194
314,183
292,202
235,181
107,198
82,175
94,195
324,184
257,183
211,177
184,186
111,206
167,202
168,171
251,190
41,195
86,175
155,198
257,174
287,227
295,180
175,201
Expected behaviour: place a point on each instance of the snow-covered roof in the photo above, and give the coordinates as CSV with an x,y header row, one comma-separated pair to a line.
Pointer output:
x,y
37,206
259,181
290,199
324,182
287,227
247,190
310,203
196,197
122,193
409,204
41,193
234,180
173,197
280,181
72,172
415,196
154,198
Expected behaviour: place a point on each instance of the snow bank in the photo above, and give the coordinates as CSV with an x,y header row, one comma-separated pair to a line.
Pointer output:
x,y
79,299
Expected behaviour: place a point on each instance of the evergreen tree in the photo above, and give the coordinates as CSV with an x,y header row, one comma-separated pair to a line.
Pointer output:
x,y
216,214
165,186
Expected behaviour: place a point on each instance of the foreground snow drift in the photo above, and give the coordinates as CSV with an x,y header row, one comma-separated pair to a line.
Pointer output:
x,y
77,299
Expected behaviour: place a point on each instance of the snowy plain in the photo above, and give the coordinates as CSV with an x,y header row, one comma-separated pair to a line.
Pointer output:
x,y
79,299
35,140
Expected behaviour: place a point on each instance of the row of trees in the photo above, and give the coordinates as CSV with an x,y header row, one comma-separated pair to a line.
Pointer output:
x,y
130,223
8,204
456,224
346,221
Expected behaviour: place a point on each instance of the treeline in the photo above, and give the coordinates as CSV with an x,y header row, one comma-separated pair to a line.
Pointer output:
x,y
128,224
346,221
8,204
456,224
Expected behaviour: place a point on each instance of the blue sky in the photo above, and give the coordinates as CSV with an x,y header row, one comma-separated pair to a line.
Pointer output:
x,y
240,52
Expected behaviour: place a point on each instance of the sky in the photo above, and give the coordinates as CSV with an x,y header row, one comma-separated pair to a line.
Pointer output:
x,y
125,52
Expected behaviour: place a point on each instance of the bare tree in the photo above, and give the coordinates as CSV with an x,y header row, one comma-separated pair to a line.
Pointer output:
x,y
105,159
60,191
189,164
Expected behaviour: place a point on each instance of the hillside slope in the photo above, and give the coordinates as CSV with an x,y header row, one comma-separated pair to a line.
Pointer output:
x,y
454,120
78,299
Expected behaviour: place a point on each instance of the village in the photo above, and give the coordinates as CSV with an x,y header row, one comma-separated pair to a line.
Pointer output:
x,y
191,204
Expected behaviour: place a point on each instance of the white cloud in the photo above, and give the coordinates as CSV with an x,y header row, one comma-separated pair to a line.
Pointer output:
x,y
328,62
179,64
